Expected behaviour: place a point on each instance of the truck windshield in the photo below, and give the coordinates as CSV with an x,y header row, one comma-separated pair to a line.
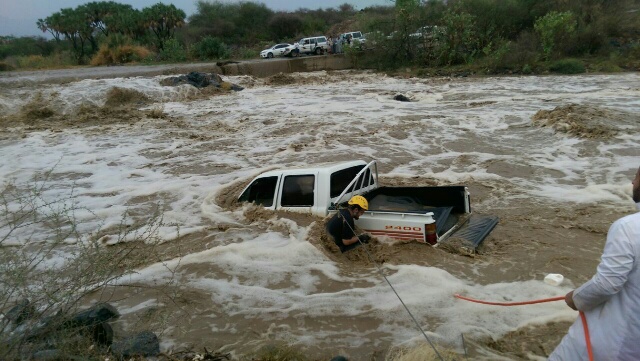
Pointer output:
x,y
261,191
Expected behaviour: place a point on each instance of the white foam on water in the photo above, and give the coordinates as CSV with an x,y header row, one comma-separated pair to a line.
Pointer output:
x,y
254,290
455,130
114,169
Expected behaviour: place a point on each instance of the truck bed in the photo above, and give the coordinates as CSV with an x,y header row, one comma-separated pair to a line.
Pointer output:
x,y
418,199
449,205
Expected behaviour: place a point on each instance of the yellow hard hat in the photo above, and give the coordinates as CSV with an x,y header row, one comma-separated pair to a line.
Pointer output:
x,y
359,201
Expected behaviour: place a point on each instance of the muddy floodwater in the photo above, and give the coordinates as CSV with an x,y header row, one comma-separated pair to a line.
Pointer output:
x,y
552,156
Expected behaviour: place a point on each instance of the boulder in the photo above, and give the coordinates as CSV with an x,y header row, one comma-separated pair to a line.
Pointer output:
x,y
20,312
102,334
92,321
99,313
401,98
198,80
145,344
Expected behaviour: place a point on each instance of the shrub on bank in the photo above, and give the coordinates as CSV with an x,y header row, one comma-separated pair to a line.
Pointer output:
x,y
606,66
210,48
516,55
245,52
54,61
5,67
172,51
567,66
120,54
40,302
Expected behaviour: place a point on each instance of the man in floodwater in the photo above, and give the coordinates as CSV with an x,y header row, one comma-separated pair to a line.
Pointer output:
x,y
611,299
342,228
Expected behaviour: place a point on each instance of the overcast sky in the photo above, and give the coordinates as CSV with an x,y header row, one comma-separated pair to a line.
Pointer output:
x,y
18,17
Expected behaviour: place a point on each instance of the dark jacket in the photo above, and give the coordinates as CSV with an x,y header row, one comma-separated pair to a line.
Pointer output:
x,y
340,227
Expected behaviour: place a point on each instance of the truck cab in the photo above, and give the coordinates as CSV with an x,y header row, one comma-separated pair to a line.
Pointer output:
x,y
399,213
307,190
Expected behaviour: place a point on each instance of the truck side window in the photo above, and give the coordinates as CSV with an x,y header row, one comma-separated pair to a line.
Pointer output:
x,y
340,179
297,191
261,191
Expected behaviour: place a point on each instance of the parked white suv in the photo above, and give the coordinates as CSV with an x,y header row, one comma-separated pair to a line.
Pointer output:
x,y
353,37
313,45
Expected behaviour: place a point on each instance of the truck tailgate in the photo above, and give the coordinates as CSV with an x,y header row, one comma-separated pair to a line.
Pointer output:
x,y
472,232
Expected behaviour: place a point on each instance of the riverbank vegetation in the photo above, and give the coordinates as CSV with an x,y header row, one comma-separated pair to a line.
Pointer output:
x,y
433,36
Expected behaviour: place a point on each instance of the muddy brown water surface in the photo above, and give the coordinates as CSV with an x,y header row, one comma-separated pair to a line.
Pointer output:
x,y
551,160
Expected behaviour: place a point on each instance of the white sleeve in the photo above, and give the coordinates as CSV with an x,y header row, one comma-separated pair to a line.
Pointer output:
x,y
617,261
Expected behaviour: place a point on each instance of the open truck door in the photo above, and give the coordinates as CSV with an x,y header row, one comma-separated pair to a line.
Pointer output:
x,y
364,181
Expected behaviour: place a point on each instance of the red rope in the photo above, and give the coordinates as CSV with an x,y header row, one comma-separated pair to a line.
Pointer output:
x,y
586,335
559,298
510,303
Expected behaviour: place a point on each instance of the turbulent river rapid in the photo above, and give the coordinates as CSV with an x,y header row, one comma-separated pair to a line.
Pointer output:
x,y
552,156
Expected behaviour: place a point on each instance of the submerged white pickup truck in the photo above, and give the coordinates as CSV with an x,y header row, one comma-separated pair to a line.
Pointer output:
x,y
399,213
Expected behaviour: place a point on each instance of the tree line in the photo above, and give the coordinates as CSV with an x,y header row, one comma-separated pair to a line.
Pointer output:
x,y
501,33
505,34
87,25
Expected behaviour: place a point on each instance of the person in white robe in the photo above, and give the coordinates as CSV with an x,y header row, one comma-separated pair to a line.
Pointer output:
x,y
611,299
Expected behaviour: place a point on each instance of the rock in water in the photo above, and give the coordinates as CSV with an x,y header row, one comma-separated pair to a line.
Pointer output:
x,y
198,80
100,313
20,312
143,344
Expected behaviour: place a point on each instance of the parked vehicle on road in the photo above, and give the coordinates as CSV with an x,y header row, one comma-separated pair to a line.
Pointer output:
x,y
399,213
425,32
276,50
353,37
313,45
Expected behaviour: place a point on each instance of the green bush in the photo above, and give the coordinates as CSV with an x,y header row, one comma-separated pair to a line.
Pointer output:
x,y
25,46
244,53
210,48
458,42
172,51
525,50
607,66
496,59
632,50
555,29
5,67
567,66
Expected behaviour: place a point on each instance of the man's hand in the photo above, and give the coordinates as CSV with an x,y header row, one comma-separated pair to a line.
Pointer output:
x,y
568,298
364,238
